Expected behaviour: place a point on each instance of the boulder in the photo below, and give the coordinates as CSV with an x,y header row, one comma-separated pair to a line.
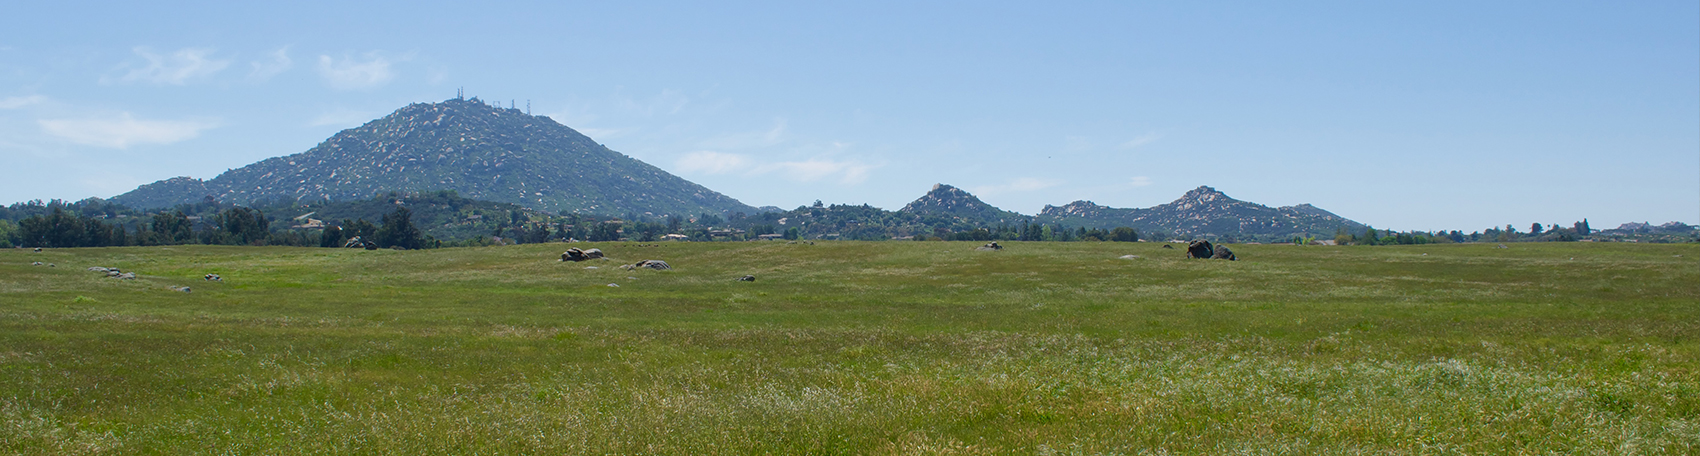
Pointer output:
x,y
1222,253
214,278
354,243
574,254
1200,249
988,247
1170,247
652,264
748,278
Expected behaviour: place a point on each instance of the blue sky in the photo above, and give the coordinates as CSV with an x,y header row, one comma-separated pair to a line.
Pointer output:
x,y
1439,115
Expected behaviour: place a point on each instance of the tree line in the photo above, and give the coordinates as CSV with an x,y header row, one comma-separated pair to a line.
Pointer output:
x,y
232,226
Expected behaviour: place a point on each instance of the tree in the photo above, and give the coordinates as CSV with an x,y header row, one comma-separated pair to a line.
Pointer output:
x,y
398,231
240,226
332,237
1535,229
173,228
1124,234
605,231
1582,228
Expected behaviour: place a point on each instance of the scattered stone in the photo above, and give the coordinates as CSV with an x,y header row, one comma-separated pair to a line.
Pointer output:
x,y
214,278
38,249
1129,257
590,267
1502,246
1170,247
1200,249
615,285
1222,253
652,264
51,265
989,247
38,263
182,289
574,254
748,278
97,269
127,276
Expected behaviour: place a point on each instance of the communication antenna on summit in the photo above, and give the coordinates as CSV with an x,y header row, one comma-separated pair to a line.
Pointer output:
x,y
460,93
528,107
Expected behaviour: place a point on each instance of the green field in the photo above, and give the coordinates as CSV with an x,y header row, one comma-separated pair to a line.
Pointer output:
x,y
854,348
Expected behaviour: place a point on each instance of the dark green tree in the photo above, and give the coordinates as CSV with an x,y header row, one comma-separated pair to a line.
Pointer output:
x,y
1124,234
398,231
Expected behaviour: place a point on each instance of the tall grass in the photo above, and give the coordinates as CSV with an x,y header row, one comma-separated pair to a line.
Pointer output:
x,y
854,348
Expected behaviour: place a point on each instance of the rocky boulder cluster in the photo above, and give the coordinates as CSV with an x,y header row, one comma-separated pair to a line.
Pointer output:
x,y
1204,249
574,254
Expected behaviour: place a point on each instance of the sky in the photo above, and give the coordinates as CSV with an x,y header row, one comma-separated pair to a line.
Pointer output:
x,y
1419,116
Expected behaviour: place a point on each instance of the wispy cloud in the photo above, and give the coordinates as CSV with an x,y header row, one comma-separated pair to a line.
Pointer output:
x,y
19,102
278,63
666,102
1141,140
176,68
751,139
815,169
350,73
1018,185
710,162
123,130
810,170
1139,181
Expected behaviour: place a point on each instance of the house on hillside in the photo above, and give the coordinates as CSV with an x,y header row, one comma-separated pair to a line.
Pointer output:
x,y
770,237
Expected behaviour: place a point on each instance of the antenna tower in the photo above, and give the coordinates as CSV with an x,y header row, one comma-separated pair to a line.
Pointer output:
x,y
460,93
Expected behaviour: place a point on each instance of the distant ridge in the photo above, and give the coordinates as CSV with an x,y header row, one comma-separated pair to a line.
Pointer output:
x,y
1205,212
482,152
955,203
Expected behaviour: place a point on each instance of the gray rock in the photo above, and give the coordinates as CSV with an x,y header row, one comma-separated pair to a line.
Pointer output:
x,y
1222,253
989,247
748,278
1200,249
574,254
652,264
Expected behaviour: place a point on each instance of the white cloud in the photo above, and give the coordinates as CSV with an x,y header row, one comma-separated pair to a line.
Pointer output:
x,y
19,102
1023,184
751,139
341,118
1139,181
350,73
264,70
123,130
1144,139
710,162
811,170
848,172
178,68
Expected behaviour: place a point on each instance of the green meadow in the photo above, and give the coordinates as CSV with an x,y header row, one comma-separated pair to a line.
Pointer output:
x,y
854,348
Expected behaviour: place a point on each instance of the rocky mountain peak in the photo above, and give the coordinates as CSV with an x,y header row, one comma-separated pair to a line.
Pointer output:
x,y
479,150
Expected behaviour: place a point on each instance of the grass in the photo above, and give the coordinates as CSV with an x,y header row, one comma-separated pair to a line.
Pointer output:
x,y
854,348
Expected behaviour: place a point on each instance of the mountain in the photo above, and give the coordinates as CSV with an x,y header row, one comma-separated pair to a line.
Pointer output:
x,y
1205,212
955,204
480,151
